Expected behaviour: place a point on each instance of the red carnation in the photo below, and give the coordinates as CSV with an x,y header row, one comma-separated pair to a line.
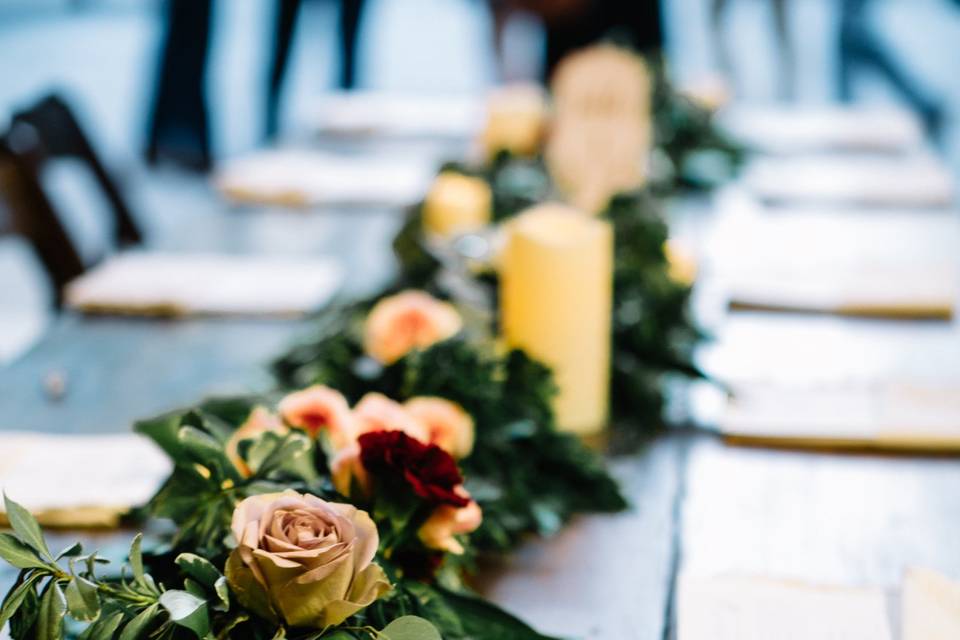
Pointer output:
x,y
429,470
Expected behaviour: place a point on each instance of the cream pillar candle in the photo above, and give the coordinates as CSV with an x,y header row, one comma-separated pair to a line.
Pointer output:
x,y
457,204
556,281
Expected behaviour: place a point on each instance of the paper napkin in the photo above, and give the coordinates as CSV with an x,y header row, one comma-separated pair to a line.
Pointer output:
x,y
142,283
79,480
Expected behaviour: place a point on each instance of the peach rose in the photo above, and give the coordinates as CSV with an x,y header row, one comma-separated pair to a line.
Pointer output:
x,y
377,412
347,471
303,560
448,425
406,321
260,421
446,522
319,408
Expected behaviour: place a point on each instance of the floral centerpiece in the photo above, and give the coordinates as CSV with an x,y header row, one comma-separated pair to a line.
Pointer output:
x,y
295,517
490,409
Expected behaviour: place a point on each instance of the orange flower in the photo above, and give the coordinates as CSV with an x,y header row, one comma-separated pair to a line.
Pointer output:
x,y
406,321
319,408
347,471
377,412
260,421
448,425
446,522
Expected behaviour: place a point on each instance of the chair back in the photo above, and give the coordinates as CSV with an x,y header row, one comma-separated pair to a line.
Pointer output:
x,y
58,134
30,213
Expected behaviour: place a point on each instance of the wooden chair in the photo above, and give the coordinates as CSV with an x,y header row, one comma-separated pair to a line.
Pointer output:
x,y
58,134
30,213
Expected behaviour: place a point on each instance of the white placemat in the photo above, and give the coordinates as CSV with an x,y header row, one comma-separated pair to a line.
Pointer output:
x,y
915,181
897,264
45,472
756,608
302,178
205,284
790,130
883,415
400,115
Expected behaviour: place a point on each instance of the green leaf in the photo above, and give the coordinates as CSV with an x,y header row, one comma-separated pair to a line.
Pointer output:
x,y
16,597
194,588
103,628
140,624
53,607
207,451
19,554
163,430
136,557
223,592
83,601
72,551
26,527
187,610
482,619
410,628
23,621
200,569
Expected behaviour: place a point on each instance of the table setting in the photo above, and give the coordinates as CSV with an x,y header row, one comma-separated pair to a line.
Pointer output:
x,y
506,414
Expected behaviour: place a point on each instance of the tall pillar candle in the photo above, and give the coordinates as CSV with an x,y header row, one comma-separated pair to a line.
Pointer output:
x,y
556,278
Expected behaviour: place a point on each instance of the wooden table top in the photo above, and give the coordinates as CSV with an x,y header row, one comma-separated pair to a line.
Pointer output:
x,y
697,504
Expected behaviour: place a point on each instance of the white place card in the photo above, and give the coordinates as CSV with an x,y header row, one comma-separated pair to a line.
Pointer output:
x,y
169,284
303,178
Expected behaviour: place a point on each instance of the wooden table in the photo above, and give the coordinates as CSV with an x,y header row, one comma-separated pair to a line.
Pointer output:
x,y
697,504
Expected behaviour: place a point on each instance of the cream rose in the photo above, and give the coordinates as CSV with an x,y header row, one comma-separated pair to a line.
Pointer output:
x,y
319,408
304,561
377,412
406,321
260,421
446,522
448,425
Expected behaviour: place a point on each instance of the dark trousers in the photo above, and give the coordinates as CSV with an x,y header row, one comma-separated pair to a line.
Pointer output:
x,y
636,23
350,14
179,124
860,48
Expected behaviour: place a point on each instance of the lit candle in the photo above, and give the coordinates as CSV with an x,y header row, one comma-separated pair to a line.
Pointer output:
x,y
457,204
516,121
556,294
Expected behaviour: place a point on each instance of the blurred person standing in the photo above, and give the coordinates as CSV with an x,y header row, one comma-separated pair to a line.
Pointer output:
x,y
860,48
786,76
351,12
178,130
573,24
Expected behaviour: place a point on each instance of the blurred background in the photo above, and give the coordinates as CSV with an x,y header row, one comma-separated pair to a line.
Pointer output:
x,y
104,57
